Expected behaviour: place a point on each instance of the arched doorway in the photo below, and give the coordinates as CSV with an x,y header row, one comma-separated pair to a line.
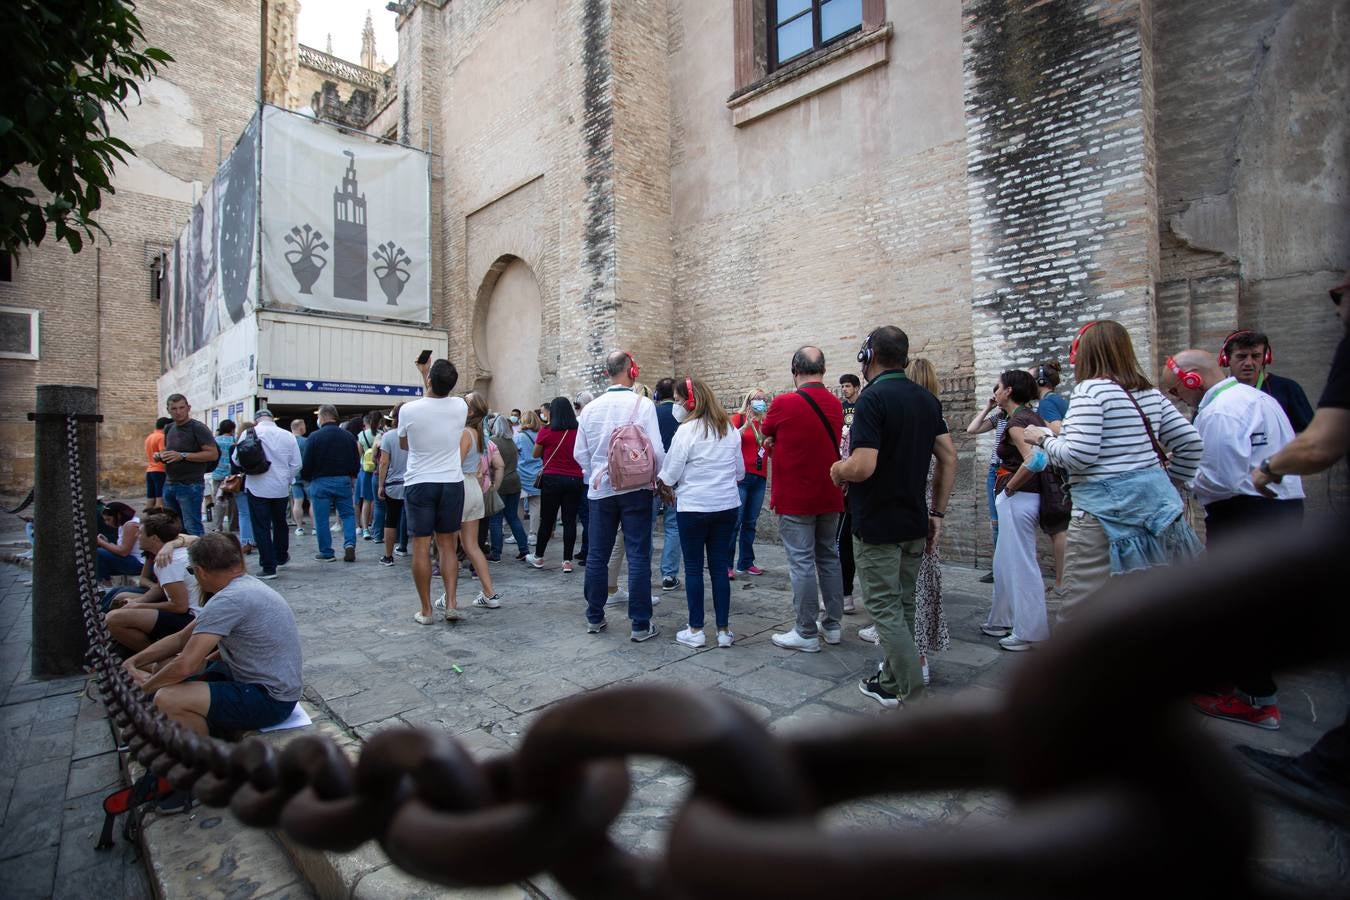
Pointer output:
x,y
507,328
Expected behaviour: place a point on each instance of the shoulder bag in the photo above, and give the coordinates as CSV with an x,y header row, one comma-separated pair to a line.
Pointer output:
x,y
829,432
539,479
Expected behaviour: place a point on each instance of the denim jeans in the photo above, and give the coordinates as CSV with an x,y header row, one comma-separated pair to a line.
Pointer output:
x,y
813,569
511,514
271,531
110,564
634,511
710,531
245,511
332,490
752,500
185,498
670,547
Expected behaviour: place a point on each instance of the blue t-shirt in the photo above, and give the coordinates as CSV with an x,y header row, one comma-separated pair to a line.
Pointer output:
x,y
222,470
1053,408
300,442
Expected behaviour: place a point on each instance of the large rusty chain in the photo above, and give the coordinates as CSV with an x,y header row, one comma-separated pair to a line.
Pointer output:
x,y
1116,789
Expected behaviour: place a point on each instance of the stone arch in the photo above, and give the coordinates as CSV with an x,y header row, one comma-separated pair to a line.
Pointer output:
x,y
508,325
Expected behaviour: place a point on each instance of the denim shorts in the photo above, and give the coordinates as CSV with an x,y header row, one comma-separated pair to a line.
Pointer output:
x,y
239,707
299,489
365,486
154,485
434,507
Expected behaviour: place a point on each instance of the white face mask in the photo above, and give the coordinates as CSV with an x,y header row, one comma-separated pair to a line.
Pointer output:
x,y
680,412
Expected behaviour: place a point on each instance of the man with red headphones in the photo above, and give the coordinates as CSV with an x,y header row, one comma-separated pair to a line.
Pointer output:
x,y
1241,426
1247,356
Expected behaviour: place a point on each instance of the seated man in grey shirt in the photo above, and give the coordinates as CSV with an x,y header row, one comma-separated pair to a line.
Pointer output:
x,y
257,681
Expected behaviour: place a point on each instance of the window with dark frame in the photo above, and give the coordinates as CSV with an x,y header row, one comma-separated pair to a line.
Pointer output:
x,y
798,27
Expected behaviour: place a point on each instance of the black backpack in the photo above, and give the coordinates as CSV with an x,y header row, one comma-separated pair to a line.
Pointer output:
x,y
249,454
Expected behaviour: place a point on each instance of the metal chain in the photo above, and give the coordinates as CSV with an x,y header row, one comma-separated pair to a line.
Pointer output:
x,y
1115,789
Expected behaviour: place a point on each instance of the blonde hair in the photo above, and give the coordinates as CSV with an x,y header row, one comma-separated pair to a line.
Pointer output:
x,y
706,408
530,421
921,372
1106,351
750,394
478,410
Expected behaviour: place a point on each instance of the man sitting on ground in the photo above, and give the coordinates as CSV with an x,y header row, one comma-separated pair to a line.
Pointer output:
x,y
139,616
256,681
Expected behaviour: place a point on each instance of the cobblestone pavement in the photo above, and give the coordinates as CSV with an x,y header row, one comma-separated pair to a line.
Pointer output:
x,y
369,666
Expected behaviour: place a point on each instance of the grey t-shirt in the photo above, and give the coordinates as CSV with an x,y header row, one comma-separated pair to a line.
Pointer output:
x,y
258,637
398,464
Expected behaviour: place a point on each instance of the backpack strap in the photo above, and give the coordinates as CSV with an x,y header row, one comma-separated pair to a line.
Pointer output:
x,y
829,432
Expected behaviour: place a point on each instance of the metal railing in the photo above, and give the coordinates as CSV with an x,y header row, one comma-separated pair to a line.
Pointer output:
x,y
1116,789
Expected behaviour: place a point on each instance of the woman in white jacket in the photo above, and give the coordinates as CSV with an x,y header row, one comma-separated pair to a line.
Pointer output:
x,y
702,469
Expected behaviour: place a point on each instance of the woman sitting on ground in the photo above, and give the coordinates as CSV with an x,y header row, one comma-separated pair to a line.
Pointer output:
x,y
123,557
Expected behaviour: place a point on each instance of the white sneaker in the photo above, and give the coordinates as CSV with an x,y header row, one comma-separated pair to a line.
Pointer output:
x,y
534,560
619,596
691,638
725,638
486,602
850,608
509,539
423,620
997,631
440,602
925,673
299,532
335,527
831,635
869,633
791,640
454,614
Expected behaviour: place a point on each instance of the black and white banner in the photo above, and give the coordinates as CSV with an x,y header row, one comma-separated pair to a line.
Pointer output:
x,y
345,221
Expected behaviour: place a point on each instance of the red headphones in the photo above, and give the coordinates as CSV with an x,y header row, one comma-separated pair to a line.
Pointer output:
x,y
1073,348
1223,351
688,393
1189,380
633,369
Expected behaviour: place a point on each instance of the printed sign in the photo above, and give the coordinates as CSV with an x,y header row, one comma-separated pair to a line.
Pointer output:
x,y
314,385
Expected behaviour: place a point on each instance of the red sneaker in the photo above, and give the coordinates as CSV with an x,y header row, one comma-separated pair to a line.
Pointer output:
x,y
1235,709
731,573
754,570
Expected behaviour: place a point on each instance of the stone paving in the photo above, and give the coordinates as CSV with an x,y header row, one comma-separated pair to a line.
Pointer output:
x,y
369,666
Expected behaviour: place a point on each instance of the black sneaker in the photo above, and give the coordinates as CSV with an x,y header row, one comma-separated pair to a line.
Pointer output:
x,y
1289,779
669,583
386,561
177,802
282,562
871,687
266,575
349,554
400,551
328,558
988,579
596,627
646,634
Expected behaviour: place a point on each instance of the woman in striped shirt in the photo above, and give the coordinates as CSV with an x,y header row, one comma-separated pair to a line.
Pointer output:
x,y
1121,442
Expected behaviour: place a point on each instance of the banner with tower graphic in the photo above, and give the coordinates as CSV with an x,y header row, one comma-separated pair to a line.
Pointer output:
x,y
345,221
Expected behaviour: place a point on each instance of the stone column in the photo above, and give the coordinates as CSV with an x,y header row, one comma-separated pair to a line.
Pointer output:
x,y
59,640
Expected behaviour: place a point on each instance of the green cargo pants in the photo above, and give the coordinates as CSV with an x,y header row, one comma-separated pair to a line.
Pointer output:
x,y
888,573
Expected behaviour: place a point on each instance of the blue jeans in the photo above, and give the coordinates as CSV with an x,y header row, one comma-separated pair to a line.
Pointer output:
x,y
670,549
634,511
381,522
747,518
713,532
337,490
511,514
110,564
185,498
245,512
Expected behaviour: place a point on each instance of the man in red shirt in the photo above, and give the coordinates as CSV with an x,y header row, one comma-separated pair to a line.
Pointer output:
x,y
802,427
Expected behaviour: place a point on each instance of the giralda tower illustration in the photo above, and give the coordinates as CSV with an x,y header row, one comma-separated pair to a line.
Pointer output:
x,y
349,237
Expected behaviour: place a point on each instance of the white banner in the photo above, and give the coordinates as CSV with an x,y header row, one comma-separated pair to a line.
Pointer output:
x,y
223,371
345,221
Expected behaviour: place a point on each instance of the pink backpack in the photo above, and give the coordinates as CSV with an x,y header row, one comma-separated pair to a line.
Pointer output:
x,y
631,460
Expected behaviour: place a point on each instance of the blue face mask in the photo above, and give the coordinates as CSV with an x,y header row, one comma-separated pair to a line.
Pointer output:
x,y
759,406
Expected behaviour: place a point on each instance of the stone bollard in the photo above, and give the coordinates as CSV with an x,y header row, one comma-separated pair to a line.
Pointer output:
x,y
59,640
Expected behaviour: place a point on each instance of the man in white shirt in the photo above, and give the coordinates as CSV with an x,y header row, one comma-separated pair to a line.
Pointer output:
x,y
269,493
608,508
1241,427
433,483
140,616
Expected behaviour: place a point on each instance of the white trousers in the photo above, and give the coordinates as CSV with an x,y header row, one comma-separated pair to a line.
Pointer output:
x,y
1019,590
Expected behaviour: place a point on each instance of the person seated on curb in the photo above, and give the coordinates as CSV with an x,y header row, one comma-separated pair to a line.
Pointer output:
x,y
256,680
139,616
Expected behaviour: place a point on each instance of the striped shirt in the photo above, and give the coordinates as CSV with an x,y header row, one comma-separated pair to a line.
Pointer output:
x,y
1104,436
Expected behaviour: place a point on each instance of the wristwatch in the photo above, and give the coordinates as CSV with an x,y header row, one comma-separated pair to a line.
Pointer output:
x,y
1265,468
937,515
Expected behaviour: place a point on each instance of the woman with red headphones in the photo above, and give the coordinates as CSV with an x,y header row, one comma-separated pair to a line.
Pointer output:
x,y
700,476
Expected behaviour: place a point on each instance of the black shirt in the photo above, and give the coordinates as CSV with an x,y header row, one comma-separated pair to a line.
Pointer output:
x,y
189,438
901,421
1336,395
330,452
1291,398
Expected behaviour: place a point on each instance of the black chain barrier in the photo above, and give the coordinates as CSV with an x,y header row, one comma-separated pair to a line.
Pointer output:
x,y
1116,789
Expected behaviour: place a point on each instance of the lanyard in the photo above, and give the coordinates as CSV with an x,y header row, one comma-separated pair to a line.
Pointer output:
x,y
889,376
1232,383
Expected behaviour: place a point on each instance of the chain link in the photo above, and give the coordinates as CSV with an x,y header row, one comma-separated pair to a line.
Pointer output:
x,y
1116,790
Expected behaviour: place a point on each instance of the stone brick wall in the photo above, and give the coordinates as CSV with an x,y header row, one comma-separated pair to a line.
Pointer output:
x,y
99,325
